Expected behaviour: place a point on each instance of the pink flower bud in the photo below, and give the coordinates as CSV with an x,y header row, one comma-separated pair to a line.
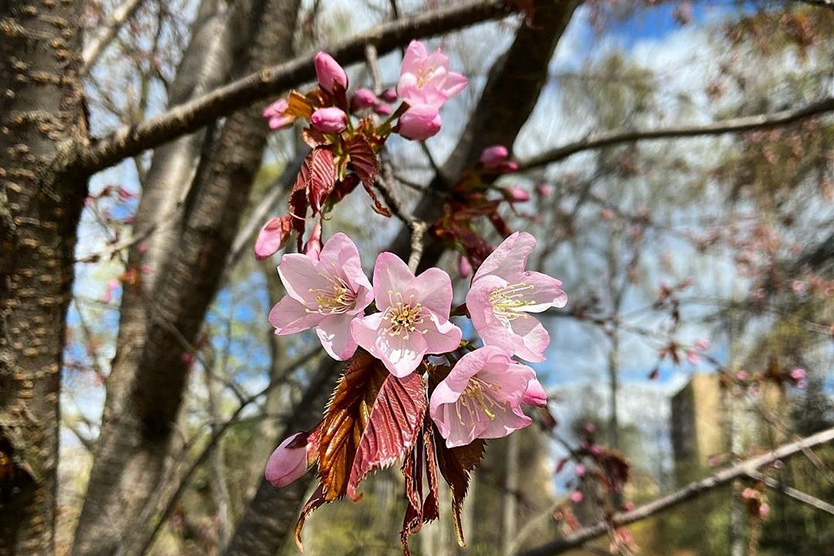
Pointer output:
x,y
741,375
329,120
535,394
590,428
606,214
276,114
692,357
516,194
290,460
492,157
764,509
749,493
419,122
330,74
313,246
579,470
576,497
273,236
702,345
383,110
544,189
798,374
389,95
464,267
363,98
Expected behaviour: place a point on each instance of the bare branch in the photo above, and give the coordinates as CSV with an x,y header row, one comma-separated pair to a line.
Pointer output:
x,y
269,81
106,34
812,501
721,127
418,228
693,490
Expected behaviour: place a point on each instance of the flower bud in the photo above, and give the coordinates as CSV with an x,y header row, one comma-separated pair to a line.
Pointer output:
x,y
290,460
420,122
276,114
515,194
383,110
544,189
331,75
329,120
389,95
273,236
313,246
363,98
464,267
492,157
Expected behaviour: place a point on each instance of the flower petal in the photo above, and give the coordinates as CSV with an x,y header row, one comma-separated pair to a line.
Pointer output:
x,y
441,336
509,259
391,275
334,333
301,277
399,355
288,316
432,288
547,292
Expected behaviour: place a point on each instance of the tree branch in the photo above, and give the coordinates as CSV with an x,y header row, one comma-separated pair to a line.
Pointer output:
x,y
689,492
269,81
731,125
812,501
106,34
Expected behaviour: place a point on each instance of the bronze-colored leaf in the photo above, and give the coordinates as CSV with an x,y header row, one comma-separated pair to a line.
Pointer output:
x,y
419,511
393,426
316,501
344,421
322,177
362,159
455,465
298,106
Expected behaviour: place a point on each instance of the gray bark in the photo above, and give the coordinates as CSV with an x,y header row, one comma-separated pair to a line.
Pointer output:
x,y
193,221
41,118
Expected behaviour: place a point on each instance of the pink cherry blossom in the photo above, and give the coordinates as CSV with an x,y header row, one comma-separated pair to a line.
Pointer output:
x,y
276,115
329,120
290,460
326,293
579,470
273,236
535,394
330,74
494,156
503,295
481,397
414,316
420,122
576,497
363,98
425,78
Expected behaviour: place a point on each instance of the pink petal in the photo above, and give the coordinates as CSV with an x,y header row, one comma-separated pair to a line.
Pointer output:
x,y
547,292
401,357
340,257
300,277
458,430
285,465
391,275
441,336
454,84
535,394
509,259
288,316
414,55
432,288
534,337
334,333
505,422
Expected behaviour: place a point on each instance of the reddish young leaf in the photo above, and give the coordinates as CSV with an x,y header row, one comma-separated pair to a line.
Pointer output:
x,y
363,159
392,428
316,501
322,177
298,106
344,421
343,188
455,465
419,511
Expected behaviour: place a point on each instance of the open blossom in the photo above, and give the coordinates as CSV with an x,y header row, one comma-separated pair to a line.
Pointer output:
x,y
290,460
414,316
419,122
481,397
503,295
276,114
327,293
273,236
331,76
329,120
425,78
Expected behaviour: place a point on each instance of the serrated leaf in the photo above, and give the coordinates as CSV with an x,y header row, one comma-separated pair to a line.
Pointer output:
x,y
363,159
420,511
322,177
344,421
455,464
392,428
316,501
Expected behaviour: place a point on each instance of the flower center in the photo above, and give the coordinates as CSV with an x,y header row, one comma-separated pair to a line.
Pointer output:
x,y
337,298
508,303
476,398
424,75
404,317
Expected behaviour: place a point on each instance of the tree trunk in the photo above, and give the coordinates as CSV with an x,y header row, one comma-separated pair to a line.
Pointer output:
x,y
41,118
160,321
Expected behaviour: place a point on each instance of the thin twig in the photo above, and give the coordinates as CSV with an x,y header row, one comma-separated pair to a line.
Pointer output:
x,y
373,66
106,34
418,227
812,501
693,490
720,127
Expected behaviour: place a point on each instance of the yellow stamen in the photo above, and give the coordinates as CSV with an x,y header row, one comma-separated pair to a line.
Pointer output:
x,y
404,317
508,302
335,299
475,398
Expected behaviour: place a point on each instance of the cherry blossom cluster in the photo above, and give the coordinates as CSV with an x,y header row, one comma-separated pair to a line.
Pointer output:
x,y
482,395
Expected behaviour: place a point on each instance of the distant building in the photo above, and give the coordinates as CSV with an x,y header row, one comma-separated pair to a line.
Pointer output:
x,y
698,417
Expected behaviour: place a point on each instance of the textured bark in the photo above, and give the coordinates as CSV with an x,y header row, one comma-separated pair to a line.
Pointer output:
x,y
41,115
192,221
517,78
